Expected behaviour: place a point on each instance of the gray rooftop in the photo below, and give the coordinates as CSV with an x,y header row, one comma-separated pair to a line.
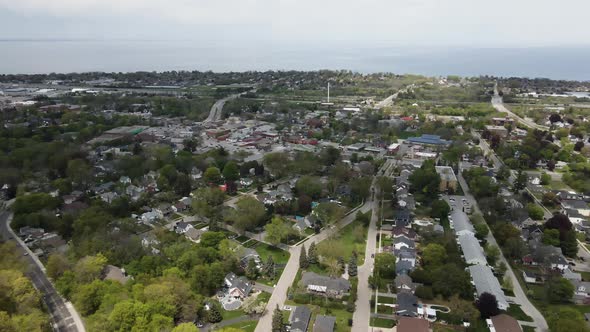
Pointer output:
x,y
299,319
485,282
324,323
461,222
472,251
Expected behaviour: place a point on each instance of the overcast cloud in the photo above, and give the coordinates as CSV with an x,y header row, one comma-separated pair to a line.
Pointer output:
x,y
373,22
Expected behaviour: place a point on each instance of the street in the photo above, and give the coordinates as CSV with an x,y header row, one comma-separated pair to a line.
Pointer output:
x,y
64,316
499,106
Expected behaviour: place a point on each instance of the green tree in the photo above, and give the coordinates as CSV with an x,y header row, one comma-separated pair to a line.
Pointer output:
x,y
535,212
251,270
212,176
385,265
277,230
278,163
481,231
328,213
434,254
440,209
352,265
214,315
424,182
551,237
89,268
303,260
270,267
231,172
185,327
559,290
521,180
312,254
492,254
277,320
249,214
57,265
182,186
566,319
310,186
487,305
545,178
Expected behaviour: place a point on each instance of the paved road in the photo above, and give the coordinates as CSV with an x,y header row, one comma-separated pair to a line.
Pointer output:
x,y
217,108
519,293
499,106
64,316
389,100
362,313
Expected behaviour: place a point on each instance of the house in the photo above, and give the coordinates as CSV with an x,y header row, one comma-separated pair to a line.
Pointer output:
x,y
410,324
428,140
246,182
407,304
109,197
558,262
179,207
164,209
403,242
324,323
402,218
237,287
472,251
485,282
403,267
194,235
582,207
405,232
149,241
448,180
134,192
248,254
571,276
182,227
403,282
125,180
299,319
114,273
581,289
503,323
531,278
406,254
301,223
150,217
500,131
30,232
332,287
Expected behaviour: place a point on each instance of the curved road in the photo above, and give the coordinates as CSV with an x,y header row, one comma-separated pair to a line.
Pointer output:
x,y
64,316
498,104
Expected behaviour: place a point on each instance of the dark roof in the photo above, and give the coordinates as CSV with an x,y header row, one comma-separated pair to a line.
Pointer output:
x,y
429,140
408,324
240,283
299,319
331,284
324,323
407,304
402,267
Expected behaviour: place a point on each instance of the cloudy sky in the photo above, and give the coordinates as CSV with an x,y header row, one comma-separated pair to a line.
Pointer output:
x,y
495,23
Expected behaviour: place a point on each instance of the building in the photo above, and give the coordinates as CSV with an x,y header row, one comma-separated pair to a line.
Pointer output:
x,y
448,180
485,282
238,287
332,287
324,323
472,251
299,319
503,323
580,206
403,282
433,140
500,131
407,305
407,324
460,223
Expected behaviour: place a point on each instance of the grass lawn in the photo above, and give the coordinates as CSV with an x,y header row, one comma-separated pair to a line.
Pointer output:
x,y
387,300
382,322
279,256
515,311
342,317
585,275
231,314
348,239
383,309
246,326
528,329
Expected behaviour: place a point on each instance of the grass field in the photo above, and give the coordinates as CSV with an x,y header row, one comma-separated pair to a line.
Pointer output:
x,y
382,322
515,311
351,238
279,256
246,326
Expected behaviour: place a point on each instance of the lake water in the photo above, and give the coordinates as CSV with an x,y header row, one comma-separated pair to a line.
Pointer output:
x,y
76,56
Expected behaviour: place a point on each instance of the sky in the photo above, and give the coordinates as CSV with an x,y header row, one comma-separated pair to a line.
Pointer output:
x,y
498,23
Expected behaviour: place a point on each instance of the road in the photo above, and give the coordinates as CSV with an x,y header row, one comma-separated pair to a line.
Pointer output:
x,y
389,100
217,108
499,106
64,316
519,293
362,313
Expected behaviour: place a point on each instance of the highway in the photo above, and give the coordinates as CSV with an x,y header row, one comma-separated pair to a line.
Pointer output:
x,y
498,104
63,315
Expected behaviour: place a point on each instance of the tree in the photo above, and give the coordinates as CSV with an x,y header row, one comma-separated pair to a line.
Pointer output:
x,y
251,270
249,214
521,180
312,254
79,171
277,230
385,265
89,268
310,186
545,178
535,212
333,267
278,163
554,117
303,260
304,204
182,186
440,209
567,319
559,290
434,254
481,230
487,305
212,176
328,213
214,315
549,199
492,254
253,306
424,292
424,182
551,237
231,172
352,265
185,327
330,155
277,320
56,265
269,269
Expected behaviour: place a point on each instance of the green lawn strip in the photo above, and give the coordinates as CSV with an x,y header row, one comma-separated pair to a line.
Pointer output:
x,y
382,322
345,241
384,309
585,275
515,311
279,256
528,329
227,315
342,317
386,300
246,326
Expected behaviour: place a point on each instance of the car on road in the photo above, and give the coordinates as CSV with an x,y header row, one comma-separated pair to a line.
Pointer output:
x,y
26,254
452,200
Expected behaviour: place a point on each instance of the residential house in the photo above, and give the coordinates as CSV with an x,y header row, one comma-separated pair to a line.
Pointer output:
x,y
109,197
248,254
332,287
403,242
125,180
407,304
299,319
581,289
164,209
558,262
246,182
403,267
115,273
30,232
301,223
485,282
237,287
405,232
403,218
410,324
149,241
182,227
582,207
194,235
503,323
406,254
150,216
571,276
403,282
531,278
324,323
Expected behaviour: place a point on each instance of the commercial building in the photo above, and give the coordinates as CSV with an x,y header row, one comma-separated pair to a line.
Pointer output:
x,y
448,180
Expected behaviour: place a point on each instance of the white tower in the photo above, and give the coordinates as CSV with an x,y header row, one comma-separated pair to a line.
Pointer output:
x,y
328,92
